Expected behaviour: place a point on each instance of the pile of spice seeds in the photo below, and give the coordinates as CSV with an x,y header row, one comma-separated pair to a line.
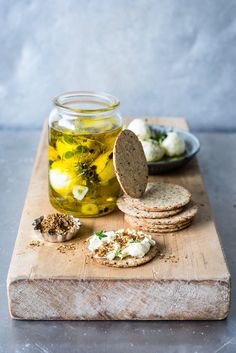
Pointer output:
x,y
56,227
164,208
56,223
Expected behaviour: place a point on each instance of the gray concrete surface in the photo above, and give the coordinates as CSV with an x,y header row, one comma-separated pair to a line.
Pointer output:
x,y
218,163
159,57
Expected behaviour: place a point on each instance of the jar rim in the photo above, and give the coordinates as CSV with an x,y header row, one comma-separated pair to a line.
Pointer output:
x,y
105,100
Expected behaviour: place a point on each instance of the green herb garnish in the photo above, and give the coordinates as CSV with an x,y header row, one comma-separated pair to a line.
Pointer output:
x,y
157,135
135,241
82,149
68,139
118,251
101,235
88,172
160,136
69,154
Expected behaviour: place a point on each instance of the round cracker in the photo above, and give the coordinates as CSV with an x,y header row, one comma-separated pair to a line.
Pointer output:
x,y
128,261
161,197
165,226
188,214
130,164
134,222
167,230
131,211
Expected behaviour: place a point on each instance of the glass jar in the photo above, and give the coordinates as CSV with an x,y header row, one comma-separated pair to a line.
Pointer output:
x,y
83,127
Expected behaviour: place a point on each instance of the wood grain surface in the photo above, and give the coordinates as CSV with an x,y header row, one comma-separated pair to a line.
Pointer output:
x,y
189,281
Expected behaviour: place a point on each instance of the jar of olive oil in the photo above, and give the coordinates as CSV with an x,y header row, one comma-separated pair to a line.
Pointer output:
x,y
83,127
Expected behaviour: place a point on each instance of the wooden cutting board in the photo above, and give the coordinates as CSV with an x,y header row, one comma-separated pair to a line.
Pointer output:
x,y
189,282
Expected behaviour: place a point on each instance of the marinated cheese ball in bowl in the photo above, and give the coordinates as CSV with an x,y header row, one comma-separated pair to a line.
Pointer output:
x,y
173,144
141,128
157,144
83,127
152,149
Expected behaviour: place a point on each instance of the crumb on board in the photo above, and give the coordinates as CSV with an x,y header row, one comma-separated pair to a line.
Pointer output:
x,y
64,248
36,243
168,257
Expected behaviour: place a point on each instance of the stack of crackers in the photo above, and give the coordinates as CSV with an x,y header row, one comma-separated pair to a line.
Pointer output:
x,y
150,207
163,208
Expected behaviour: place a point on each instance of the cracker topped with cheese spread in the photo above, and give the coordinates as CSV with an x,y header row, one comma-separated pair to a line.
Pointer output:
x,y
121,248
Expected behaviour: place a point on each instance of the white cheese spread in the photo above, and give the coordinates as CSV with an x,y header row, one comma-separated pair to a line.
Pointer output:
x,y
120,244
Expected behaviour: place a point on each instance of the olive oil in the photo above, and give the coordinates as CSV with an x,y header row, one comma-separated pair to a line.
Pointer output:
x,y
82,180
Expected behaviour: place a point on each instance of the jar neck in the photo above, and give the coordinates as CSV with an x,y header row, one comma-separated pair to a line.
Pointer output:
x,y
86,104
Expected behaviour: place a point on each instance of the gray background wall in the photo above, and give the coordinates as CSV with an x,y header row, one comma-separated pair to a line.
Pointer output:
x,y
160,57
